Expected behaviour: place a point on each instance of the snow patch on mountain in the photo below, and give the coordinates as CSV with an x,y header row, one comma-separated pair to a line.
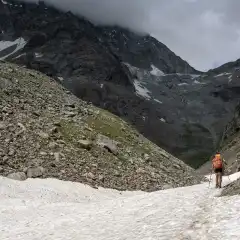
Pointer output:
x,y
17,45
158,101
11,4
6,44
131,68
38,55
156,72
162,120
141,90
222,74
196,82
193,76
183,84
4,2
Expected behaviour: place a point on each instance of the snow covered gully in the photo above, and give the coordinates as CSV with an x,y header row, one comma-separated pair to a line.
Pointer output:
x,y
46,209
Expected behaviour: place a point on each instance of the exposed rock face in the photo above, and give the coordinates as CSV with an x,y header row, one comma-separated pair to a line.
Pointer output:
x,y
39,138
232,189
135,77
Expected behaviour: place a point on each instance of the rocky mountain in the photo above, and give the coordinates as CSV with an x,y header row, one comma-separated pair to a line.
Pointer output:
x,y
45,131
135,77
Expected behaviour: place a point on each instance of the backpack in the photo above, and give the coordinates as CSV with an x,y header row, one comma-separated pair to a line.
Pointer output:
x,y
217,161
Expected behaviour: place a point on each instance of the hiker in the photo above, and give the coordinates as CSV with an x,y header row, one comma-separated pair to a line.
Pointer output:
x,y
218,163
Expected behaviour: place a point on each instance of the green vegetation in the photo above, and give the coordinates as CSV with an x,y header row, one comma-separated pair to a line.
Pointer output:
x,y
71,132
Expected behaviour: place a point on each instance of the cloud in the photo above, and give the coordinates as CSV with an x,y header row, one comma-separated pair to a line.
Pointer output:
x,y
203,32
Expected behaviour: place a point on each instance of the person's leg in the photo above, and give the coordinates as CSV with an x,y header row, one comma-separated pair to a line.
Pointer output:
x,y
220,179
216,174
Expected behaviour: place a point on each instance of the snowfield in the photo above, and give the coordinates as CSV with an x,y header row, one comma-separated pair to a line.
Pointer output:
x,y
20,43
49,209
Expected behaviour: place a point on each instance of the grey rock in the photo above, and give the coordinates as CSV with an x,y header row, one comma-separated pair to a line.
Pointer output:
x,y
53,130
57,156
2,126
37,113
165,154
70,114
4,83
117,174
86,144
70,102
146,156
166,186
52,145
90,175
20,176
140,171
11,152
5,158
89,129
34,162
35,172
20,125
107,143
101,178
43,153
43,135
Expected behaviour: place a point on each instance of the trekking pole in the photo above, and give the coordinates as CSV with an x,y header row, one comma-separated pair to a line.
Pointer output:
x,y
210,180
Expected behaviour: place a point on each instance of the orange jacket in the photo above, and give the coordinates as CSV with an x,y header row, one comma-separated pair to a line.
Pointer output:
x,y
217,161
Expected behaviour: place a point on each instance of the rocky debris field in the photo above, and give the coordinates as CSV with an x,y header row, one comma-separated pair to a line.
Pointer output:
x,y
47,132
232,189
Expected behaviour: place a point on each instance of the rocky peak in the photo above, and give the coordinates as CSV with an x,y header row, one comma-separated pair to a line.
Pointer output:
x,y
140,51
143,51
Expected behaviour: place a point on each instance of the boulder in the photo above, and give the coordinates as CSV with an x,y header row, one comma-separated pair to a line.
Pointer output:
x,y
20,176
86,144
166,186
2,126
107,143
35,172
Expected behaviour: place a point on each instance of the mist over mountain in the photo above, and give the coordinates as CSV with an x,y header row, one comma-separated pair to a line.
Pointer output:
x,y
206,34
129,14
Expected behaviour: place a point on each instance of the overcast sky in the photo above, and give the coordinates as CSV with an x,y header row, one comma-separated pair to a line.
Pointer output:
x,y
206,33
